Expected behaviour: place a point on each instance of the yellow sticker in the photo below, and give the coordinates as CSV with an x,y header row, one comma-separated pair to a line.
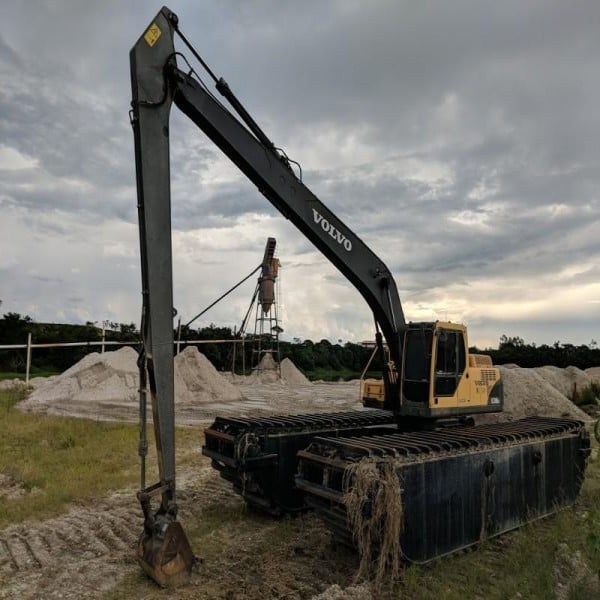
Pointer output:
x,y
152,34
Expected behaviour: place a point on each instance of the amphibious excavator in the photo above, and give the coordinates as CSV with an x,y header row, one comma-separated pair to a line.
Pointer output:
x,y
460,482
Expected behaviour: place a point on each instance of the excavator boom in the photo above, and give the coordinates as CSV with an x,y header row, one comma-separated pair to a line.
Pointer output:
x,y
450,470
157,82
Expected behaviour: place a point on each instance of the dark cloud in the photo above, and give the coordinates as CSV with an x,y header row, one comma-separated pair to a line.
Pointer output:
x,y
458,140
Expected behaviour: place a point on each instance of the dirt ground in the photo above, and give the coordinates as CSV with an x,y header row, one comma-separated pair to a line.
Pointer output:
x,y
259,399
89,551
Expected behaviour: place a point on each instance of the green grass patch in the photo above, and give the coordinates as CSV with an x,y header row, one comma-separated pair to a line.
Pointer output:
x,y
52,462
589,395
345,374
34,372
520,564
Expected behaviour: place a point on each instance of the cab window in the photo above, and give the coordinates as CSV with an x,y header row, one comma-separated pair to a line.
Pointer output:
x,y
450,361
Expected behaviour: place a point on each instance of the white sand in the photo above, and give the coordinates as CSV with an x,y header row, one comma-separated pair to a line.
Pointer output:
x,y
106,386
112,379
527,393
291,374
198,382
565,380
594,374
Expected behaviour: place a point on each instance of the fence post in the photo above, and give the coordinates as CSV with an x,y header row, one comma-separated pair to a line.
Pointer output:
x,y
233,353
244,354
28,364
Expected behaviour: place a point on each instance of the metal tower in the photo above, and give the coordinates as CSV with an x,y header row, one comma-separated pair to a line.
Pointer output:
x,y
266,323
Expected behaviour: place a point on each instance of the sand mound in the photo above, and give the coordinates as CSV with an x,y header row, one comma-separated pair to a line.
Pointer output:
x,y
112,379
267,363
292,374
97,378
198,382
11,384
267,371
564,380
594,374
527,393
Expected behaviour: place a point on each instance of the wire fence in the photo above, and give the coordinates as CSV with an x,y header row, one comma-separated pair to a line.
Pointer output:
x,y
30,346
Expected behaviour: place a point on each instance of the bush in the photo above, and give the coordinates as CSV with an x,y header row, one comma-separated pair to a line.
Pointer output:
x,y
588,395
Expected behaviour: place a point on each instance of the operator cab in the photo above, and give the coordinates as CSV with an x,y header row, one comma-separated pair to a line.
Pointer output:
x,y
441,379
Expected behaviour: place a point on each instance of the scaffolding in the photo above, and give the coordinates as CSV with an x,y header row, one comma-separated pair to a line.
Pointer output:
x,y
267,324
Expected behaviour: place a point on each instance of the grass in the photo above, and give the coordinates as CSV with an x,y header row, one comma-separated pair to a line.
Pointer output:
x,y
345,374
60,461
34,372
56,461
247,555
520,564
589,395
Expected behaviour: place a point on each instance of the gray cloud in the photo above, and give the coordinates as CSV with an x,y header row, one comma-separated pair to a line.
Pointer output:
x,y
458,140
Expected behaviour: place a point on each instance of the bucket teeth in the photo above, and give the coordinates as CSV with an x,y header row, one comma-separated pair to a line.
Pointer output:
x,y
166,556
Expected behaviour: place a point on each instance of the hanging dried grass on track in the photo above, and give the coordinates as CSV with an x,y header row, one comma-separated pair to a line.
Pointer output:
x,y
373,501
243,449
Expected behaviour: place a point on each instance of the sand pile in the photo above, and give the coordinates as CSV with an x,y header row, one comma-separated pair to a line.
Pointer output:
x,y
267,371
564,380
267,363
11,384
15,384
594,374
112,380
292,374
527,393
198,382
97,378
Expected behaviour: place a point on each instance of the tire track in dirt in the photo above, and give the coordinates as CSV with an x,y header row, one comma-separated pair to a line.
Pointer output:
x,y
90,548
81,534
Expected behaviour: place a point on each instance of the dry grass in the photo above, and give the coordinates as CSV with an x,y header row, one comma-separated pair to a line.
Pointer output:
x,y
249,556
373,501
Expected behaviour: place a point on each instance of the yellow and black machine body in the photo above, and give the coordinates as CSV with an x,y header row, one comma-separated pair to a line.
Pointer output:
x,y
497,477
440,378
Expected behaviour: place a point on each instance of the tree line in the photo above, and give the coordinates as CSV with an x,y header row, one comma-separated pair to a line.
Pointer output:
x,y
311,357
318,359
515,350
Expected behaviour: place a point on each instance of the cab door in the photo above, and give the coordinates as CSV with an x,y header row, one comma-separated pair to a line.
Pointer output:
x,y
450,363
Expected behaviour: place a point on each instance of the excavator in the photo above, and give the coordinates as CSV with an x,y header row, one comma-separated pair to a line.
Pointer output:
x,y
461,482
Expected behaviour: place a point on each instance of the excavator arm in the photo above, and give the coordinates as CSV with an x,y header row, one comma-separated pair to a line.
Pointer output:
x,y
157,83
505,474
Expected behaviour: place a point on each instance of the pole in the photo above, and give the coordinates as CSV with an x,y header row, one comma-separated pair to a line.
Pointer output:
x,y
233,353
243,354
178,335
28,364
103,337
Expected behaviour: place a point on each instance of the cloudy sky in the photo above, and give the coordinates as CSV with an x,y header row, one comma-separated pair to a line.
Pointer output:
x,y
459,140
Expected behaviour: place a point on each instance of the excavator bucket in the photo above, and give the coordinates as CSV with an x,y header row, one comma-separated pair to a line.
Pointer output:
x,y
167,556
